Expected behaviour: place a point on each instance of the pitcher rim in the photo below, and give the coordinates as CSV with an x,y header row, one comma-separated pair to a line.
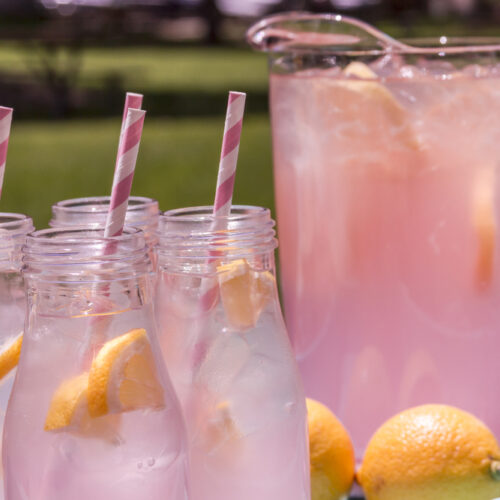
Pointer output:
x,y
440,47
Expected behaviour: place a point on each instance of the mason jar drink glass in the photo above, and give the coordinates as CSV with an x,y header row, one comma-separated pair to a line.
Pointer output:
x,y
92,412
224,340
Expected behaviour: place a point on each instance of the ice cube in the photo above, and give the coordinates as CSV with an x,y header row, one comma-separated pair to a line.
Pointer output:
x,y
260,394
224,360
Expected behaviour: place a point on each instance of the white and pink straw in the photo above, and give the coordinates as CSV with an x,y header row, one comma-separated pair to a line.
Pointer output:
x,y
5,123
225,180
133,101
229,154
125,167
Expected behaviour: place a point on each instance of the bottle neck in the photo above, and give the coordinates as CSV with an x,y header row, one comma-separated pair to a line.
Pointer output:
x,y
142,213
13,231
83,257
193,240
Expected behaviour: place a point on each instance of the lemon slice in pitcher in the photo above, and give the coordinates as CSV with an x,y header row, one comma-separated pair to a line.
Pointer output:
x,y
483,218
366,92
123,376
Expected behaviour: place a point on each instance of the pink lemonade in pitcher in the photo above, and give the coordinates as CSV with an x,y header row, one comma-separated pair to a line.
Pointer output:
x,y
387,187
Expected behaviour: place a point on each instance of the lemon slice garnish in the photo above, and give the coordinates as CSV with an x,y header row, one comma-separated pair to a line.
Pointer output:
x,y
9,357
69,404
123,376
244,292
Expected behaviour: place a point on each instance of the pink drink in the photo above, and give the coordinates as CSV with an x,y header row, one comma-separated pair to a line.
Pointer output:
x,y
387,199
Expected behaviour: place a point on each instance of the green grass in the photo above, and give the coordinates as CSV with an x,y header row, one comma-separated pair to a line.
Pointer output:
x,y
54,160
154,68
178,160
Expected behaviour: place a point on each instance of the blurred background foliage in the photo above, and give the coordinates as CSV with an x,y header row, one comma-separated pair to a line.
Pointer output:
x,y
65,66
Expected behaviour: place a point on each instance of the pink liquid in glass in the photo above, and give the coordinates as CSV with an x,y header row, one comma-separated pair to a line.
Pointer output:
x,y
388,206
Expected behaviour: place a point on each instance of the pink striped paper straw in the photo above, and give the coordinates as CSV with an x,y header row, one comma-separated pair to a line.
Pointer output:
x,y
134,101
225,179
229,154
5,123
124,172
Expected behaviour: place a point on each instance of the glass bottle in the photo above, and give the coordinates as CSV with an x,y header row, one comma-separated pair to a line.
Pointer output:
x,y
93,414
13,231
224,339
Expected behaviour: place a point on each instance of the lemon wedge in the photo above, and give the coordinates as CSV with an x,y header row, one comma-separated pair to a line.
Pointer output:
x,y
369,93
68,411
483,218
220,427
69,404
9,357
360,70
244,292
123,376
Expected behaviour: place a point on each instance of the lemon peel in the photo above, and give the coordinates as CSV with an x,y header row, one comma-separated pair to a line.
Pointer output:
x,y
9,357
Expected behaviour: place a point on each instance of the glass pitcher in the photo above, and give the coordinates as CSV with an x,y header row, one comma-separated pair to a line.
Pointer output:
x,y
224,340
386,179
92,413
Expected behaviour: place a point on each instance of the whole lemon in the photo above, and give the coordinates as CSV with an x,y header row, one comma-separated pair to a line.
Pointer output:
x,y
331,452
431,452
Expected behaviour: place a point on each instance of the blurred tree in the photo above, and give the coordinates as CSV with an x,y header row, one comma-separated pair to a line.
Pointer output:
x,y
210,12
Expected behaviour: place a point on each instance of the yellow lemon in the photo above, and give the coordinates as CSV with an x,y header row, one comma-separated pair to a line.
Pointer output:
x,y
244,292
9,357
431,452
331,452
123,376
69,404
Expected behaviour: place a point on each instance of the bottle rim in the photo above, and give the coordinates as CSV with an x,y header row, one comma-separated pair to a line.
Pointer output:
x,y
84,254
14,222
14,228
195,234
100,205
205,213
